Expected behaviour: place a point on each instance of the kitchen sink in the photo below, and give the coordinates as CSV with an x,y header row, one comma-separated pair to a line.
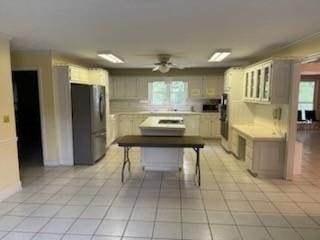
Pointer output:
x,y
169,121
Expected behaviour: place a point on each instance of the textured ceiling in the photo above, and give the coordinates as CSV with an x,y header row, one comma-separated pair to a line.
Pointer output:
x,y
137,30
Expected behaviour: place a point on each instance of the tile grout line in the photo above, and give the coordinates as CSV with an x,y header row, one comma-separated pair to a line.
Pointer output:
x,y
225,200
204,205
157,207
113,200
133,207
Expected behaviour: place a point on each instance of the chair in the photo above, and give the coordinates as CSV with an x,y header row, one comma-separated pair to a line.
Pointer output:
x,y
311,115
299,116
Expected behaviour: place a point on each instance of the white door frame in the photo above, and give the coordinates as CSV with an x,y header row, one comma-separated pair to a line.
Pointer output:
x,y
292,121
41,106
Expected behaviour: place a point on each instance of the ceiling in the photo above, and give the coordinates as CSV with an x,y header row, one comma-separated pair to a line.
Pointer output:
x,y
137,30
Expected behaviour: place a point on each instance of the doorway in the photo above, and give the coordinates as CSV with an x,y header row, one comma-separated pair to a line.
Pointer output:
x,y
304,125
28,120
308,126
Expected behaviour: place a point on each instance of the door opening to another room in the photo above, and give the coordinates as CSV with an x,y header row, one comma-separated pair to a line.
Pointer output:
x,y
28,121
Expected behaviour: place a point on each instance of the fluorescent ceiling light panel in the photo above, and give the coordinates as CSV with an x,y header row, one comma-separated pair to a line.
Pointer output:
x,y
110,57
219,55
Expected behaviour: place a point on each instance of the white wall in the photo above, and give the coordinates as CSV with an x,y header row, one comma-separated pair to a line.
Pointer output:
x,y
263,115
9,169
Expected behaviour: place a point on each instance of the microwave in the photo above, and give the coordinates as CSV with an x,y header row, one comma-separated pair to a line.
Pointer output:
x,y
210,107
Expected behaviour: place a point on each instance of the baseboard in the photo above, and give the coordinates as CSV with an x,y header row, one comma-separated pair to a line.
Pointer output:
x,y
8,191
51,163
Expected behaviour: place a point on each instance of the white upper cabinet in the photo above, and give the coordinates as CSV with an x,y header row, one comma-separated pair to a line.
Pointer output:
x,y
268,82
210,86
92,76
195,87
142,88
98,76
129,88
78,75
118,88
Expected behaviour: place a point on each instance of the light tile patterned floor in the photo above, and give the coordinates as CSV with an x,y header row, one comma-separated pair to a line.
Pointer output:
x,y
91,203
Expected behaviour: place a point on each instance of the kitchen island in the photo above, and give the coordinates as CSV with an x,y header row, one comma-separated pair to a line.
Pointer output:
x,y
162,159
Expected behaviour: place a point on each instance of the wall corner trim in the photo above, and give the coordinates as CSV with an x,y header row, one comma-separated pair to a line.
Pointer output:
x,y
8,191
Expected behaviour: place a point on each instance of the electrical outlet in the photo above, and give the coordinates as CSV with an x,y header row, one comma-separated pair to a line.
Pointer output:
x,y
6,118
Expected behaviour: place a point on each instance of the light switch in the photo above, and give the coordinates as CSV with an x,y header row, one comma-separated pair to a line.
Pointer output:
x,y
6,118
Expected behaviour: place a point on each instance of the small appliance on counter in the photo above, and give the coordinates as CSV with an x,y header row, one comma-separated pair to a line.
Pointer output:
x,y
212,106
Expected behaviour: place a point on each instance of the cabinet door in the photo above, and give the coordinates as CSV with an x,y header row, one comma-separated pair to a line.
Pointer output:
x,y
192,125
195,87
130,88
142,88
137,120
102,77
84,75
210,86
118,85
205,127
79,75
252,83
125,125
266,76
97,77
246,84
258,83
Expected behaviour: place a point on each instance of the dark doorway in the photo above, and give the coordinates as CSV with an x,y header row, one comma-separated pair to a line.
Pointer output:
x,y
27,112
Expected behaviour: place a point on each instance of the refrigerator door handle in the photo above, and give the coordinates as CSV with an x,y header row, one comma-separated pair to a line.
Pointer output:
x,y
101,106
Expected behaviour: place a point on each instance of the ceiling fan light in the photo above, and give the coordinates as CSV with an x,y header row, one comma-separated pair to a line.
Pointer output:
x,y
164,69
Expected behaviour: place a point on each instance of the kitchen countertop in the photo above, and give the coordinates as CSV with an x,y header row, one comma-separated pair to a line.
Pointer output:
x,y
152,123
165,112
258,132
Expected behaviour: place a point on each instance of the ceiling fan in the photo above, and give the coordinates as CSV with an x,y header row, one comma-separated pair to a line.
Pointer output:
x,y
164,65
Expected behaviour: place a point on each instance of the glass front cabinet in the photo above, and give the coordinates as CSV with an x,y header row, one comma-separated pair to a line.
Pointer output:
x,y
266,73
268,82
247,85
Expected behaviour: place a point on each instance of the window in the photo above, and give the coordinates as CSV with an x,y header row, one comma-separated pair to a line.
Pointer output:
x,y
306,96
170,93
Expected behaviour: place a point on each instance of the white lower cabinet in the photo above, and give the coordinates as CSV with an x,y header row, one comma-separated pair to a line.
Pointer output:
x,y
204,125
263,158
136,121
129,124
192,125
209,125
113,127
125,125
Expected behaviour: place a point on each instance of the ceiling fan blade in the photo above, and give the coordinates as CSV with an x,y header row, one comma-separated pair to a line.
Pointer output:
x,y
173,65
156,68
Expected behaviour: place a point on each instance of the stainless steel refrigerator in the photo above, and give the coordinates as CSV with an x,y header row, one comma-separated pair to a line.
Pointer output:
x,y
88,123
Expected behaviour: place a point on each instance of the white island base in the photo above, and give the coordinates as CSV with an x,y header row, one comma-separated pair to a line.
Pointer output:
x,y
162,159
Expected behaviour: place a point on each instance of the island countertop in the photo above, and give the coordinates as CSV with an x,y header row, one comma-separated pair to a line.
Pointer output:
x,y
154,123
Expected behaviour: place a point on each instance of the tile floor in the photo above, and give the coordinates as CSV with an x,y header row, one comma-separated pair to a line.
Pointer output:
x,y
91,203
